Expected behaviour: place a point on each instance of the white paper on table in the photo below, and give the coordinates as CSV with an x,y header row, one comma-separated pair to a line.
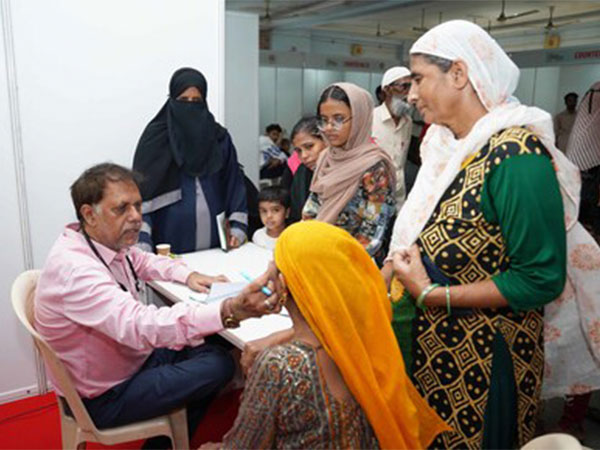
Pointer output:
x,y
221,291
249,257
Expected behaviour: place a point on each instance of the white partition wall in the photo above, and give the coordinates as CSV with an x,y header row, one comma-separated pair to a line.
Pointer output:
x,y
18,361
545,87
362,79
524,90
241,87
89,76
375,81
282,87
324,79
310,91
268,97
287,94
289,97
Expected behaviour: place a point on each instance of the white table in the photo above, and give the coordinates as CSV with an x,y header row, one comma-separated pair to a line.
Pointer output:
x,y
249,258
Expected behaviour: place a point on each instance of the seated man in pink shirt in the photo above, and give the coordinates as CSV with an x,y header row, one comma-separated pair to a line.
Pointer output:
x,y
131,361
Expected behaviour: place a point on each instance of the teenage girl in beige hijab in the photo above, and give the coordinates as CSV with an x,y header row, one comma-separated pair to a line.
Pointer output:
x,y
353,185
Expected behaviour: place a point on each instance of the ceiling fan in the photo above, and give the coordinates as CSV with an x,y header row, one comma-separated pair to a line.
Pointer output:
x,y
422,28
267,16
380,33
553,26
503,17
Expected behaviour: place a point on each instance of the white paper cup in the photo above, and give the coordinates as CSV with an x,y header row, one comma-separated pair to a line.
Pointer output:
x,y
163,249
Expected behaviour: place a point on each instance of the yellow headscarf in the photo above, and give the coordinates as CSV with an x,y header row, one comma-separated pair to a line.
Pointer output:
x,y
342,296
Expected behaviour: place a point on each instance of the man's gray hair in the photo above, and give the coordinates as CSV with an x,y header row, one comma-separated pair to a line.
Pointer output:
x,y
88,189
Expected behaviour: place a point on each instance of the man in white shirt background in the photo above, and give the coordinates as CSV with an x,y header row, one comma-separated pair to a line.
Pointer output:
x,y
272,158
392,123
564,120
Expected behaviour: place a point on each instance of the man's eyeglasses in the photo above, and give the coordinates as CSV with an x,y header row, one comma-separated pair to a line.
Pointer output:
x,y
404,86
336,122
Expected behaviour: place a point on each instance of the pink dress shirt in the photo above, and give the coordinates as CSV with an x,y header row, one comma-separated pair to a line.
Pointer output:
x,y
101,333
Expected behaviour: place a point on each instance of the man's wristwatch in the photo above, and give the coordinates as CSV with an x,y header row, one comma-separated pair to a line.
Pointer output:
x,y
227,315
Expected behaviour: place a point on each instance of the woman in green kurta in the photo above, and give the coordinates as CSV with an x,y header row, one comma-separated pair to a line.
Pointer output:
x,y
485,230
488,223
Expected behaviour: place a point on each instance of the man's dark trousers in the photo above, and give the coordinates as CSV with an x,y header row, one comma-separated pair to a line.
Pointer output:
x,y
168,380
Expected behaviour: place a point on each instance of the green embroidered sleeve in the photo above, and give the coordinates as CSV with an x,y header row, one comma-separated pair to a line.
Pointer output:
x,y
522,195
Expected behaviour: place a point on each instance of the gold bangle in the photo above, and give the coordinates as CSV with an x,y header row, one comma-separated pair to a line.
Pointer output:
x,y
228,317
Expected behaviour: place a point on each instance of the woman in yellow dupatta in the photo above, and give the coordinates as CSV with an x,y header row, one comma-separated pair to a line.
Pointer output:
x,y
341,379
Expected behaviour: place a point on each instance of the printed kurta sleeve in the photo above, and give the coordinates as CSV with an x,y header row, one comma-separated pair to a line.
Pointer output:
x,y
376,208
256,422
522,195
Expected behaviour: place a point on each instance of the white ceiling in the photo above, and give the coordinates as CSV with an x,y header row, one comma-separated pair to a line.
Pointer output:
x,y
395,19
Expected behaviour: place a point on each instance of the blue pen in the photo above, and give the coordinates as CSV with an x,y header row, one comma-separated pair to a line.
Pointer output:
x,y
265,290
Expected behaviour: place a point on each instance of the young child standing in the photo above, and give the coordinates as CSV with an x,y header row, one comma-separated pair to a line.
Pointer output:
x,y
274,209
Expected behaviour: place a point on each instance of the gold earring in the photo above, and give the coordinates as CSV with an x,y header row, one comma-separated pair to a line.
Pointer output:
x,y
283,298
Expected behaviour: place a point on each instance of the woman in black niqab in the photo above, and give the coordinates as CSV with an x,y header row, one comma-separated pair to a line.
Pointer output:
x,y
183,136
183,142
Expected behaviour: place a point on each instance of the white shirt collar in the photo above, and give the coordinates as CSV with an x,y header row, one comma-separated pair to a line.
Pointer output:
x,y
385,116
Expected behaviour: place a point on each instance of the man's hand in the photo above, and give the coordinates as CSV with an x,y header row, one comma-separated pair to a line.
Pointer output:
x,y
201,283
252,302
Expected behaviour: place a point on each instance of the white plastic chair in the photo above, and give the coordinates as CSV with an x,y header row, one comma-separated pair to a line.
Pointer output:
x,y
554,441
79,428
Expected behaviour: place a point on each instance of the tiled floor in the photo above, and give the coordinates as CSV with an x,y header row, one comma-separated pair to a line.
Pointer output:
x,y
553,410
